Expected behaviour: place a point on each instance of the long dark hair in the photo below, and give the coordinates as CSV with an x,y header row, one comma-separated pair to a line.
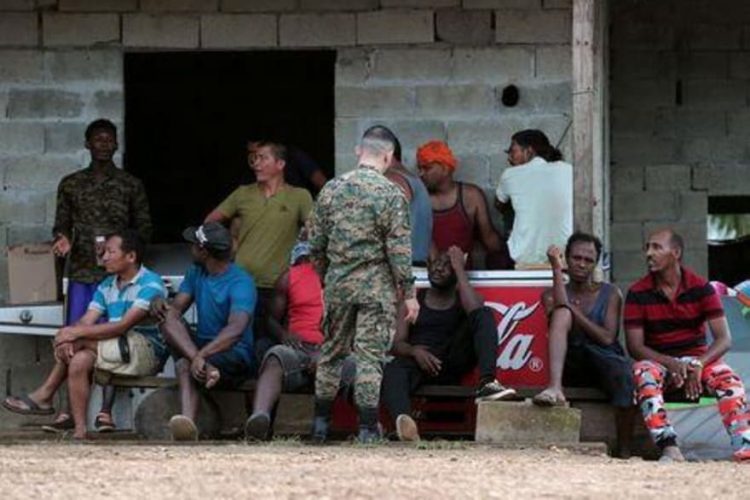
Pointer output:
x,y
538,141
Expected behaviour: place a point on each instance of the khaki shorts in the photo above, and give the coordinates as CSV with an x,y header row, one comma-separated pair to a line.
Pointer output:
x,y
143,360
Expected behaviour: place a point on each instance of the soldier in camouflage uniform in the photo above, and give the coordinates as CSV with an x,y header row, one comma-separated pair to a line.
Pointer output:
x,y
361,243
95,201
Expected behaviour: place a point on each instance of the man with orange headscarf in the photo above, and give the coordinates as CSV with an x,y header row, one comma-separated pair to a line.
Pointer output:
x,y
459,209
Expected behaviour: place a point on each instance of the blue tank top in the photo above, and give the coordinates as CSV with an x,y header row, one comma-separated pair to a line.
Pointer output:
x,y
420,213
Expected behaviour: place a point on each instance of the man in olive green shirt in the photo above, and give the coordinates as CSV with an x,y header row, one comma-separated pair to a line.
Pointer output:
x,y
271,214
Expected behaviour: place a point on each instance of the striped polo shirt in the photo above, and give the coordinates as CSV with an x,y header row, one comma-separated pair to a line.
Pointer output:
x,y
674,327
115,302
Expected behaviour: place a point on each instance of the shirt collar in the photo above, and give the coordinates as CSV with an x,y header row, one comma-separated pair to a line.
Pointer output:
x,y
680,288
133,280
537,160
108,171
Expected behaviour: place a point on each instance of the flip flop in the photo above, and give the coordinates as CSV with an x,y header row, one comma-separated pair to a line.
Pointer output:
x,y
32,407
544,398
103,422
183,429
63,422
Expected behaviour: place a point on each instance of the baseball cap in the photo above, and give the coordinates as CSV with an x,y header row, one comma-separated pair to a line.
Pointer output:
x,y
211,235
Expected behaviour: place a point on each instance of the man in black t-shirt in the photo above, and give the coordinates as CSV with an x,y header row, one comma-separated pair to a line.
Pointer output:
x,y
454,331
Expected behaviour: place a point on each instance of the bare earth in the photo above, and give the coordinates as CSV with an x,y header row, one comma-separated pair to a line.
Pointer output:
x,y
290,470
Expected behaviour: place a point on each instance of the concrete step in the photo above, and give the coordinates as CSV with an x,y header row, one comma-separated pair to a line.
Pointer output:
x,y
513,422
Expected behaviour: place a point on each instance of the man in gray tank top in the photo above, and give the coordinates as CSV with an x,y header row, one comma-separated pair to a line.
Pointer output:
x,y
584,319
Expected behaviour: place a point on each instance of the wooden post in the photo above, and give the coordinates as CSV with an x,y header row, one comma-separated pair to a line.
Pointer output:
x,y
589,111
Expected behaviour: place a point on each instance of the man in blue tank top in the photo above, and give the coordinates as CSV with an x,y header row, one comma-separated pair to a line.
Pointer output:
x,y
584,319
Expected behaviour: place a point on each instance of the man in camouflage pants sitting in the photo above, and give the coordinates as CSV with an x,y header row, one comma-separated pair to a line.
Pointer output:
x,y
361,244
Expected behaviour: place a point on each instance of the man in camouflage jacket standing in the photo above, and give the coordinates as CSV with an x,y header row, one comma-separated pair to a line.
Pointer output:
x,y
361,244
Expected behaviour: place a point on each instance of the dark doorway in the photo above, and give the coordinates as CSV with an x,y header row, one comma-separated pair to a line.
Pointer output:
x,y
188,116
729,239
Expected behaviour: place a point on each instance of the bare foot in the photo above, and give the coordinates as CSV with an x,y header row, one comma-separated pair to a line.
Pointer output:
x,y
549,397
212,376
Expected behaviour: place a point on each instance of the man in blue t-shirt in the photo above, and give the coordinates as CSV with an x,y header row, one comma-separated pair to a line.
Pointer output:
x,y
219,350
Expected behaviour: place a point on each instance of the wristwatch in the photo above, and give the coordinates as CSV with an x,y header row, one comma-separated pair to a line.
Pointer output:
x,y
696,364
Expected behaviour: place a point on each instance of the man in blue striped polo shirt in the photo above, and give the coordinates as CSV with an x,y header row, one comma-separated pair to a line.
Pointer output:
x,y
126,344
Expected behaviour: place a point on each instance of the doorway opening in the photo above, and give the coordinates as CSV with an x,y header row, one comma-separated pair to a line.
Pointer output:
x,y
729,239
189,115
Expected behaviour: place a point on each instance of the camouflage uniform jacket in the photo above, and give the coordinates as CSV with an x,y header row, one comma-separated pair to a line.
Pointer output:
x,y
360,238
87,208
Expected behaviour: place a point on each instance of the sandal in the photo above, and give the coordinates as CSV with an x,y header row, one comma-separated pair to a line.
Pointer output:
x,y
183,428
547,398
30,407
104,422
63,422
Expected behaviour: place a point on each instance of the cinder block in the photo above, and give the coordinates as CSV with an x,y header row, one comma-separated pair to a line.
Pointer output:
x,y
347,133
19,137
651,35
627,267
642,94
662,206
693,206
627,64
637,121
145,30
557,4
456,101
338,5
110,104
463,27
493,65
700,149
502,422
554,62
44,103
38,233
644,150
626,235
3,102
713,94
411,134
21,66
395,26
179,5
238,30
374,102
697,260
553,125
16,5
503,4
705,64
258,5
667,177
474,169
98,5
80,29
345,163
482,136
542,98
738,122
628,179
37,175
702,177
353,66
714,36
533,26
84,65
739,65
295,413
728,179
686,123
64,137
18,30
314,30
411,65
746,38
23,206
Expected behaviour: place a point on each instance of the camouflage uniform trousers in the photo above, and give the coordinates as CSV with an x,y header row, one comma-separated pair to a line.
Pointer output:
x,y
365,331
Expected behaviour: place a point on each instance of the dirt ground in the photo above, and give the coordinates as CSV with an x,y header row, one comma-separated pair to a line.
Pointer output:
x,y
293,470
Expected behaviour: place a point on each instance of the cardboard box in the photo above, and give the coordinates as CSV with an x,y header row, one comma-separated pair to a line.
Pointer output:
x,y
31,273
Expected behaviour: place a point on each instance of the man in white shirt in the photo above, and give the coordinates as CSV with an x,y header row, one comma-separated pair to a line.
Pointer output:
x,y
539,186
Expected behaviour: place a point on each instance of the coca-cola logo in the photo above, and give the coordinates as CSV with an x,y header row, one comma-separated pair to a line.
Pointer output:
x,y
515,347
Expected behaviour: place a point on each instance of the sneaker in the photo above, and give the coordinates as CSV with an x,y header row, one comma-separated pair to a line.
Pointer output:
x,y
183,429
406,428
257,427
493,391
742,455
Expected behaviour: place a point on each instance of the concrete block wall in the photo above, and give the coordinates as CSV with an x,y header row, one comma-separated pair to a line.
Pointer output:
x,y
680,103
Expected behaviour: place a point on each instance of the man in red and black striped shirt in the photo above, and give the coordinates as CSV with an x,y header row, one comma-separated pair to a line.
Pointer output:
x,y
666,313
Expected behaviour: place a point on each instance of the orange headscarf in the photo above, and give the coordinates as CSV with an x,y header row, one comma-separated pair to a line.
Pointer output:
x,y
436,152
